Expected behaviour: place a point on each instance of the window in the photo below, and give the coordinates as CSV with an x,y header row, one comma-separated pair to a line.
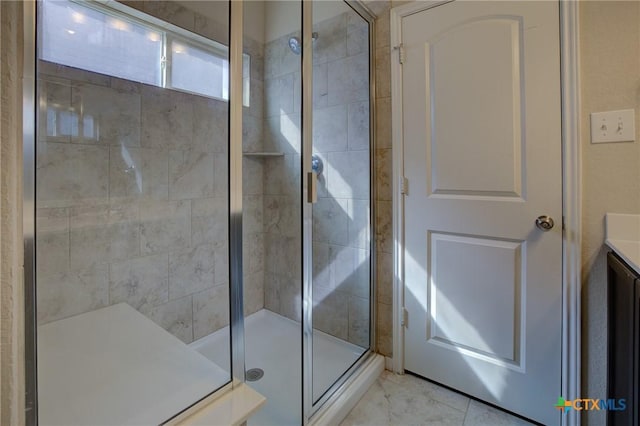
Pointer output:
x,y
136,47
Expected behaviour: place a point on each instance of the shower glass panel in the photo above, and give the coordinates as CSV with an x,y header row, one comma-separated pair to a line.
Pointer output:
x,y
132,208
271,212
341,290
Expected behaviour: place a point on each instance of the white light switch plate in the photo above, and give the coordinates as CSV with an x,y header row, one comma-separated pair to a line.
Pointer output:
x,y
613,126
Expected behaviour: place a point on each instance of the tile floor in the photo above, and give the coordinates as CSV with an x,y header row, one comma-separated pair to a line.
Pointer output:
x,y
408,400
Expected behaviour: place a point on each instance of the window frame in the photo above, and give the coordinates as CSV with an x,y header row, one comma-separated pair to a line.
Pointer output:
x,y
169,33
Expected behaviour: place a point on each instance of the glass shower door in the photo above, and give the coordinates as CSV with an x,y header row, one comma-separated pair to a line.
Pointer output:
x,y
342,214
132,208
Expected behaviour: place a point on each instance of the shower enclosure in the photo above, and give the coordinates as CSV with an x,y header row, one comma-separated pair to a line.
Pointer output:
x,y
202,207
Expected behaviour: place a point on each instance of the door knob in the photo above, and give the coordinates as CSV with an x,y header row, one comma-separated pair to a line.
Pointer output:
x,y
544,223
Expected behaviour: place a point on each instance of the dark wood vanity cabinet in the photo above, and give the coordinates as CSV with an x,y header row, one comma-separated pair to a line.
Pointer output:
x,y
623,341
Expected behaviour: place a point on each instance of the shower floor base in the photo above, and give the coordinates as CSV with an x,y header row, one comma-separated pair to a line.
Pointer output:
x,y
273,344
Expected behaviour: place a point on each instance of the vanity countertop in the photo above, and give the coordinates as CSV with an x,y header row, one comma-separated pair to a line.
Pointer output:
x,y
623,237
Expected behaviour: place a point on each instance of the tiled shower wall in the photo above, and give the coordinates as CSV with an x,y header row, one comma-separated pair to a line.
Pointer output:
x,y
132,196
341,216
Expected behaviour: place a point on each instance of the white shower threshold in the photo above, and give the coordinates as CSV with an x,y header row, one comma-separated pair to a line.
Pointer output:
x,y
273,344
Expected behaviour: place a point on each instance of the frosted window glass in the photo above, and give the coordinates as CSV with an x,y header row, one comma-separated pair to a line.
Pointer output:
x,y
81,37
198,71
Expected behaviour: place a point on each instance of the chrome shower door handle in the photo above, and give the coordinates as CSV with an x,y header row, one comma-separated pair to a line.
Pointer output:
x,y
544,223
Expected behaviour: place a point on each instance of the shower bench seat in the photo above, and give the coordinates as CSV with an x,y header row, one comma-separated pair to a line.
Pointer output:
x,y
115,366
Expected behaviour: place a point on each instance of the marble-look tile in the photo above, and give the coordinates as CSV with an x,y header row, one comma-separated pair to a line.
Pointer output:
x,y
321,270
429,390
278,95
358,39
191,175
124,231
480,414
256,95
73,292
384,226
103,233
164,226
349,80
141,282
331,43
252,175
384,329
252,214
282,133
330,129
359,321
383,174
52,241
383,72
175,316
71,174
253,253
138,173
349,270
56,118
282,255
355,21
358,134
278,57
210,310
281,215
360,281
252,139
359,223
221,265
383,123
377,7
107,116
401,401
126,86
89,236
290,298
167,118
191,271
210,125
213,29
253,292
70,73
384,284
331,312
209,221
330,221
372,409
272,291
292,176
349,174
171,12
220,175
320,85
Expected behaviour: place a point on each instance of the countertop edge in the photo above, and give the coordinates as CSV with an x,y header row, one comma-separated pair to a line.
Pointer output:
x,y
623,248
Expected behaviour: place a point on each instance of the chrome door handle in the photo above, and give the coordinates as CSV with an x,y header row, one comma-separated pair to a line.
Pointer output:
x,y
544,223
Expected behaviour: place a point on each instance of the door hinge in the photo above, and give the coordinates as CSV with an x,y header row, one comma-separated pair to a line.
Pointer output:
x,y
405,317
401,53
404,185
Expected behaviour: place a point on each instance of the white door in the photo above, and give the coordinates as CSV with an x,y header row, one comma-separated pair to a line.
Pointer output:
x,y
482,155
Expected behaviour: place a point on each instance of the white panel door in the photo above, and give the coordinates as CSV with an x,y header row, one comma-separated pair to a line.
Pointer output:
x,y
482,154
